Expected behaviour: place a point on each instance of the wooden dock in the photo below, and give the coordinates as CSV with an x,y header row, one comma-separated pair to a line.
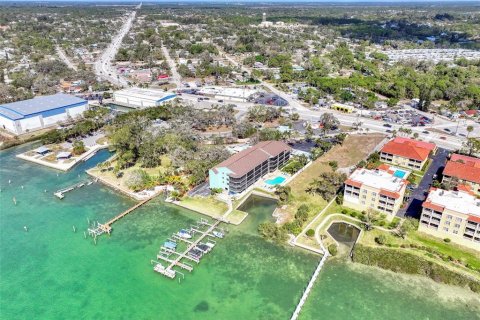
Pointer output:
x,y
107,226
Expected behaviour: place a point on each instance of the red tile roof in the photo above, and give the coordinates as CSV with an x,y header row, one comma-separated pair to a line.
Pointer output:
x,y
468,171
246,160
390,194
474,219
354,183
430,205
409,148
471,161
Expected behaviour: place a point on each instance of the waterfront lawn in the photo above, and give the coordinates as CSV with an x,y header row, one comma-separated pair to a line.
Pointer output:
x,y
208,205
457,252
354,149
236,217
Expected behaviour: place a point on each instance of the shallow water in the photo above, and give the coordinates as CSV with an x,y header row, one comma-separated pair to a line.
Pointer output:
x,y
51,272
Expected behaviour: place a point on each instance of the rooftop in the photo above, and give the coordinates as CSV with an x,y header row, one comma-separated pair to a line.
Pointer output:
x,y
463,167
458,201
149,94
384,180
245,160
20,109
409,148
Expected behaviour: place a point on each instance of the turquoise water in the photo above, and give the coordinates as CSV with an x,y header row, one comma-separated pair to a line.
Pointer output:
x,y
275,181
399,173
51,272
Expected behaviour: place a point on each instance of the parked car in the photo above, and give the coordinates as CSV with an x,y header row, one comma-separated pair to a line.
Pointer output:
x,y
446,129
426,132
443,138
387,125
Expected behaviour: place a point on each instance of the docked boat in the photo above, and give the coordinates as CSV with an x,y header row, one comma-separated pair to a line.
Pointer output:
x,y
203,247
170,245
195,253
211,244
218,234
161,269
184,234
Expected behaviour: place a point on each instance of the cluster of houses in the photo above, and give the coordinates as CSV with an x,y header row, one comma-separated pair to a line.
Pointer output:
x,y
453,214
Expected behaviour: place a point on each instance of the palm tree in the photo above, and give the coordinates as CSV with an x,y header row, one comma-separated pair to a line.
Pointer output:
x,y
469,129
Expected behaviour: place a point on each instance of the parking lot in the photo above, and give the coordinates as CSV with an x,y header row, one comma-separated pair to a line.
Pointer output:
x,y
413,207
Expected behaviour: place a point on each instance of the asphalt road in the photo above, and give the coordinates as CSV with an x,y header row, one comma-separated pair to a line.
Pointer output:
x,y
413,208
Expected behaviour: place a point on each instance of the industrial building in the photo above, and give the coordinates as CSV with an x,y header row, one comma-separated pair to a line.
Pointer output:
x,y
464,170
453,214
246,167
40,112
408,153
138,98
380,190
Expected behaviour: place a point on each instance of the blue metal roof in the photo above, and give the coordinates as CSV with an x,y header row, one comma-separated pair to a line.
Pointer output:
x,y
21,109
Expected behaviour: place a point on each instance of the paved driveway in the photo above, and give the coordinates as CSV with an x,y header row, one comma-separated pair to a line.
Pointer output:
x,y
413,208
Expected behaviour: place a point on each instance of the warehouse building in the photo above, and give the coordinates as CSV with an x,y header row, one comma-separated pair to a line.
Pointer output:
x,y
138,98
246,167
40,112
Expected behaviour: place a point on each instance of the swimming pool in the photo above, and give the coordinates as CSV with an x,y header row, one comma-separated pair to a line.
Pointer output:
x,y
275,181
399,173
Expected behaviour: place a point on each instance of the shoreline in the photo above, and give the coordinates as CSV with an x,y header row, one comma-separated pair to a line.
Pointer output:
x,y
63,167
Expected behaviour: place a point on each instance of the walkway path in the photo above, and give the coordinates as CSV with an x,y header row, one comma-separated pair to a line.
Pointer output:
x,y
304,297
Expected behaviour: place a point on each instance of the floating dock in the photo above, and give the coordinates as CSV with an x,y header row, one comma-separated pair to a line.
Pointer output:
x,y
194,251
60,193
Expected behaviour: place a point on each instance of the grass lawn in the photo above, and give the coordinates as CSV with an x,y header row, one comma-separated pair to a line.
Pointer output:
x,y
458,252
236,217
208,206
353,150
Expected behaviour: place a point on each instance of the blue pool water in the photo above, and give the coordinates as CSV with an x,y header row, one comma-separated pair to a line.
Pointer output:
x,y
399,173
275,181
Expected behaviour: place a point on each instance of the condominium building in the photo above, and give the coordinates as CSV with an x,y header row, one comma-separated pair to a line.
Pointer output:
x,y
452,214
246,167
465,170
408,153
381,189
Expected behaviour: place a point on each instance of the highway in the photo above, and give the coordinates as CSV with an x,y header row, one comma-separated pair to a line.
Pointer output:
x,y
103,66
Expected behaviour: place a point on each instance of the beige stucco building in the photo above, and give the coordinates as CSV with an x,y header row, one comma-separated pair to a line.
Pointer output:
x,y
452,214
381,189
407,153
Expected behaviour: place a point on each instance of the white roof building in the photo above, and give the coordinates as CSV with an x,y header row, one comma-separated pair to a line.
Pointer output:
x,y
139,98
458,201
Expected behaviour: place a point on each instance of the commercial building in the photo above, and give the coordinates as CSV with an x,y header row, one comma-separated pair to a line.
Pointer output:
x,y
452,214
227,93
246,167
408,153
464,170
40,112
381,189
139,98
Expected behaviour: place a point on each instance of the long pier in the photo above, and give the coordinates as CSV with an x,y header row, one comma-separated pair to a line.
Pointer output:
x,y
107,226
304,297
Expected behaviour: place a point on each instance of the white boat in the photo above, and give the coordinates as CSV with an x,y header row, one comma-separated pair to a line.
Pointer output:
x,y
218,234
184,234
161,269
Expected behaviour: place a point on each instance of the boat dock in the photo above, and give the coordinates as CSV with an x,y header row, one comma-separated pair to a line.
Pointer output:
x,y
60,193
174,258
106,227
